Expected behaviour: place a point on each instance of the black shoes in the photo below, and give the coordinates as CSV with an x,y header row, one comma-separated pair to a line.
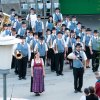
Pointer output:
x,y
20,78
80,91
75,91
61,74
37,94
58,74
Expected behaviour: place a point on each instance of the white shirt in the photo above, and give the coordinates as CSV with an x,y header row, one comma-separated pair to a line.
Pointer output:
x,y
48,38
33,17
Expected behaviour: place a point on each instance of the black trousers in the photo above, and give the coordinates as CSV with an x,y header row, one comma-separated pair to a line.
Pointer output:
x,y
78,78
22,67
13,64
59,61
70,60
53,61
43,57
40,34
95,60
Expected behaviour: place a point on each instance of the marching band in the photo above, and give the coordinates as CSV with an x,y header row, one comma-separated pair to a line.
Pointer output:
x,y
61,38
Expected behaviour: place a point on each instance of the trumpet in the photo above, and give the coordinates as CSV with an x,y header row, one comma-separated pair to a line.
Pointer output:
x,y
18,54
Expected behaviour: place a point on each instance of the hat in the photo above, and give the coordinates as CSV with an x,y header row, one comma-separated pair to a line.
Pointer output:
x,y
53,28
17,36
78,44
67,29
97,75
83,27
35,33
67,16
23,22
48,30
19,16
57,9
12,9
95,31
59,32
78,37
73,16
63,25
78,23
72,31
41,38
39,16
22,37
32,9
88,29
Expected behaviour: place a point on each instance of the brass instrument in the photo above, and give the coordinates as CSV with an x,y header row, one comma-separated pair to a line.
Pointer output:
x,y
5,20
18,54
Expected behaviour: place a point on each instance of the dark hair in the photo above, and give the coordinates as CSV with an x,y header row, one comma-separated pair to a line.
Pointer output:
x,y
86,91
35,54
49,19
91,89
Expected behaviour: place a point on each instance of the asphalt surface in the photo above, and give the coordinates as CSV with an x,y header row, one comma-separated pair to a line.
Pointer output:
x,y
56,87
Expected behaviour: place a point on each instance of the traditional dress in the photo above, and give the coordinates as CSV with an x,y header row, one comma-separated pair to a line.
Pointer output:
x,y
37,81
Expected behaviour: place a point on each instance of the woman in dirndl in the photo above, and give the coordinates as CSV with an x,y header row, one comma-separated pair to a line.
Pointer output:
x,y
38,74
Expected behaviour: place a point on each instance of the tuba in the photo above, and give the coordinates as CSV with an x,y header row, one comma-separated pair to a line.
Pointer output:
x,y
6,20
18,54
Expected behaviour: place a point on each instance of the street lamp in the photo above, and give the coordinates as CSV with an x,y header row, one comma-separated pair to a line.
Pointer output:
x,y
6,44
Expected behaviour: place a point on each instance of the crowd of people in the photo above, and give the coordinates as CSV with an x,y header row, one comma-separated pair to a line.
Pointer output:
x,y
61,39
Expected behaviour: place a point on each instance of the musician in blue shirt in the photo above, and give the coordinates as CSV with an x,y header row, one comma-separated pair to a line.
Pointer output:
x,y
94,49
79,64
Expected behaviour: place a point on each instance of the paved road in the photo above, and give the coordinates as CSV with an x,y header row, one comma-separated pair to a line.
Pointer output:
x,y
56,87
